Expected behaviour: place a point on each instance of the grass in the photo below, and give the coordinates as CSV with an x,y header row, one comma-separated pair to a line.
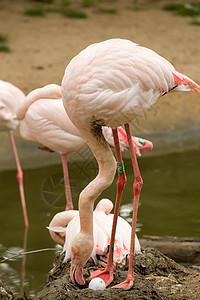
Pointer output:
x,y
65,9
65,3
3,38
137,6
107,10
53,10
3,43
4,48
87,3
74,14
44,1
189,10
35,12
196,23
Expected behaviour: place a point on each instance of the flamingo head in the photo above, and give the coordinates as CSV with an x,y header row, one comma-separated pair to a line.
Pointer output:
x,y
81,250
139,144
104,205
145,145
8,119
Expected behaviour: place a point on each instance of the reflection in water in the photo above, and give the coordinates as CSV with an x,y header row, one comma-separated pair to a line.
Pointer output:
x,y
169,205
23,264
11,276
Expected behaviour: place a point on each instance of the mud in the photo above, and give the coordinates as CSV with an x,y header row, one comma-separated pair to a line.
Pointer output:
x,y
156,277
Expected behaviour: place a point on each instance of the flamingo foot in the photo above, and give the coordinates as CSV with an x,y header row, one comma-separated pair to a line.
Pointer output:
x,y
106,275
126,285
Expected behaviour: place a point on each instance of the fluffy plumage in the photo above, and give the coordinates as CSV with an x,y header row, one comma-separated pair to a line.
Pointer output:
x,y
102,225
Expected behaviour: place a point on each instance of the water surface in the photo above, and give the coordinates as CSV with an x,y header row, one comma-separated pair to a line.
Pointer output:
x,y
169,205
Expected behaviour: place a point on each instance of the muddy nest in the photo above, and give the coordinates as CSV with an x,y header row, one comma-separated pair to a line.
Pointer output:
x,y
5,293
156,277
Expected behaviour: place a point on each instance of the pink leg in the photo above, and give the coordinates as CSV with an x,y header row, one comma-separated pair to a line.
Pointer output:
x,y
137,186
69,204
19,178
107,273
23,265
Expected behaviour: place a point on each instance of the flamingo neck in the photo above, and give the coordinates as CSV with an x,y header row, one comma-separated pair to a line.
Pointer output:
x,y
107,170
52,91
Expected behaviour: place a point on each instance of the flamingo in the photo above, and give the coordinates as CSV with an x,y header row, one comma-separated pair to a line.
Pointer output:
x,y
44,120
111,83
102,220
10,98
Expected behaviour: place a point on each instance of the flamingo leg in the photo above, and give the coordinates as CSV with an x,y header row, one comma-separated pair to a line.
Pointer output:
x,y
23,264
69,204
107,273
19,178
137,186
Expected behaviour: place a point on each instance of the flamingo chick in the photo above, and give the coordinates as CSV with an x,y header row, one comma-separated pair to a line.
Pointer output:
x,y
10,99
43,119
102,225
111,83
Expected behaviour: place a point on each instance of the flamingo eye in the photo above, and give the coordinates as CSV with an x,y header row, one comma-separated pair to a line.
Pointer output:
x,y
1,107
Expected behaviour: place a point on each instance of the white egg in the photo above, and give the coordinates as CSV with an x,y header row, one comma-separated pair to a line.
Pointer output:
x,y
97,284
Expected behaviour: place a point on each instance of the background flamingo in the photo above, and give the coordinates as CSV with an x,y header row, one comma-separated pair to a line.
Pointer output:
x,y
102,220
111,83
43,119
10,98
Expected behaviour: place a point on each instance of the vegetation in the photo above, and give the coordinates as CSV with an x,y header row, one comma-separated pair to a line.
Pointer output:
x,y
4,48
3,38
74,14
107,10
196,23
63,9
35,12
3,43
74,9
190,10
87,3
44,1
65,3
67,8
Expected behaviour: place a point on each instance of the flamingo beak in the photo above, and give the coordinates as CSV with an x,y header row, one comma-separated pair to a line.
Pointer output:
x,y
76,273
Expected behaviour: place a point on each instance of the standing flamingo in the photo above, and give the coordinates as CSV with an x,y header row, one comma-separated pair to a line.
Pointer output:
x,y
102,220
10,98
43,119
110,84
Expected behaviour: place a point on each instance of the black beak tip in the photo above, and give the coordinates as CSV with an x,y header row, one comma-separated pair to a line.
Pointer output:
x,y
80,286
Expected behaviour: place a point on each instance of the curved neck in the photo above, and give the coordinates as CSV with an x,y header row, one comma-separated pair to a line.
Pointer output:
x,y
107,170
52,91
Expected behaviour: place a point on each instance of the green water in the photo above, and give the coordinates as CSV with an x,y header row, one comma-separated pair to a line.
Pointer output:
x,y
169,205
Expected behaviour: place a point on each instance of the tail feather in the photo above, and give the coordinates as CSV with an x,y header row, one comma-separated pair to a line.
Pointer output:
x,y
181,79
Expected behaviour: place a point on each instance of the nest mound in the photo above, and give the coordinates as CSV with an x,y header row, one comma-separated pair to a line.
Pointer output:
x,y
156,277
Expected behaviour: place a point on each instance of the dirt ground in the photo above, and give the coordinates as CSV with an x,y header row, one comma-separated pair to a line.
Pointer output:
x,y
41,48
156,277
